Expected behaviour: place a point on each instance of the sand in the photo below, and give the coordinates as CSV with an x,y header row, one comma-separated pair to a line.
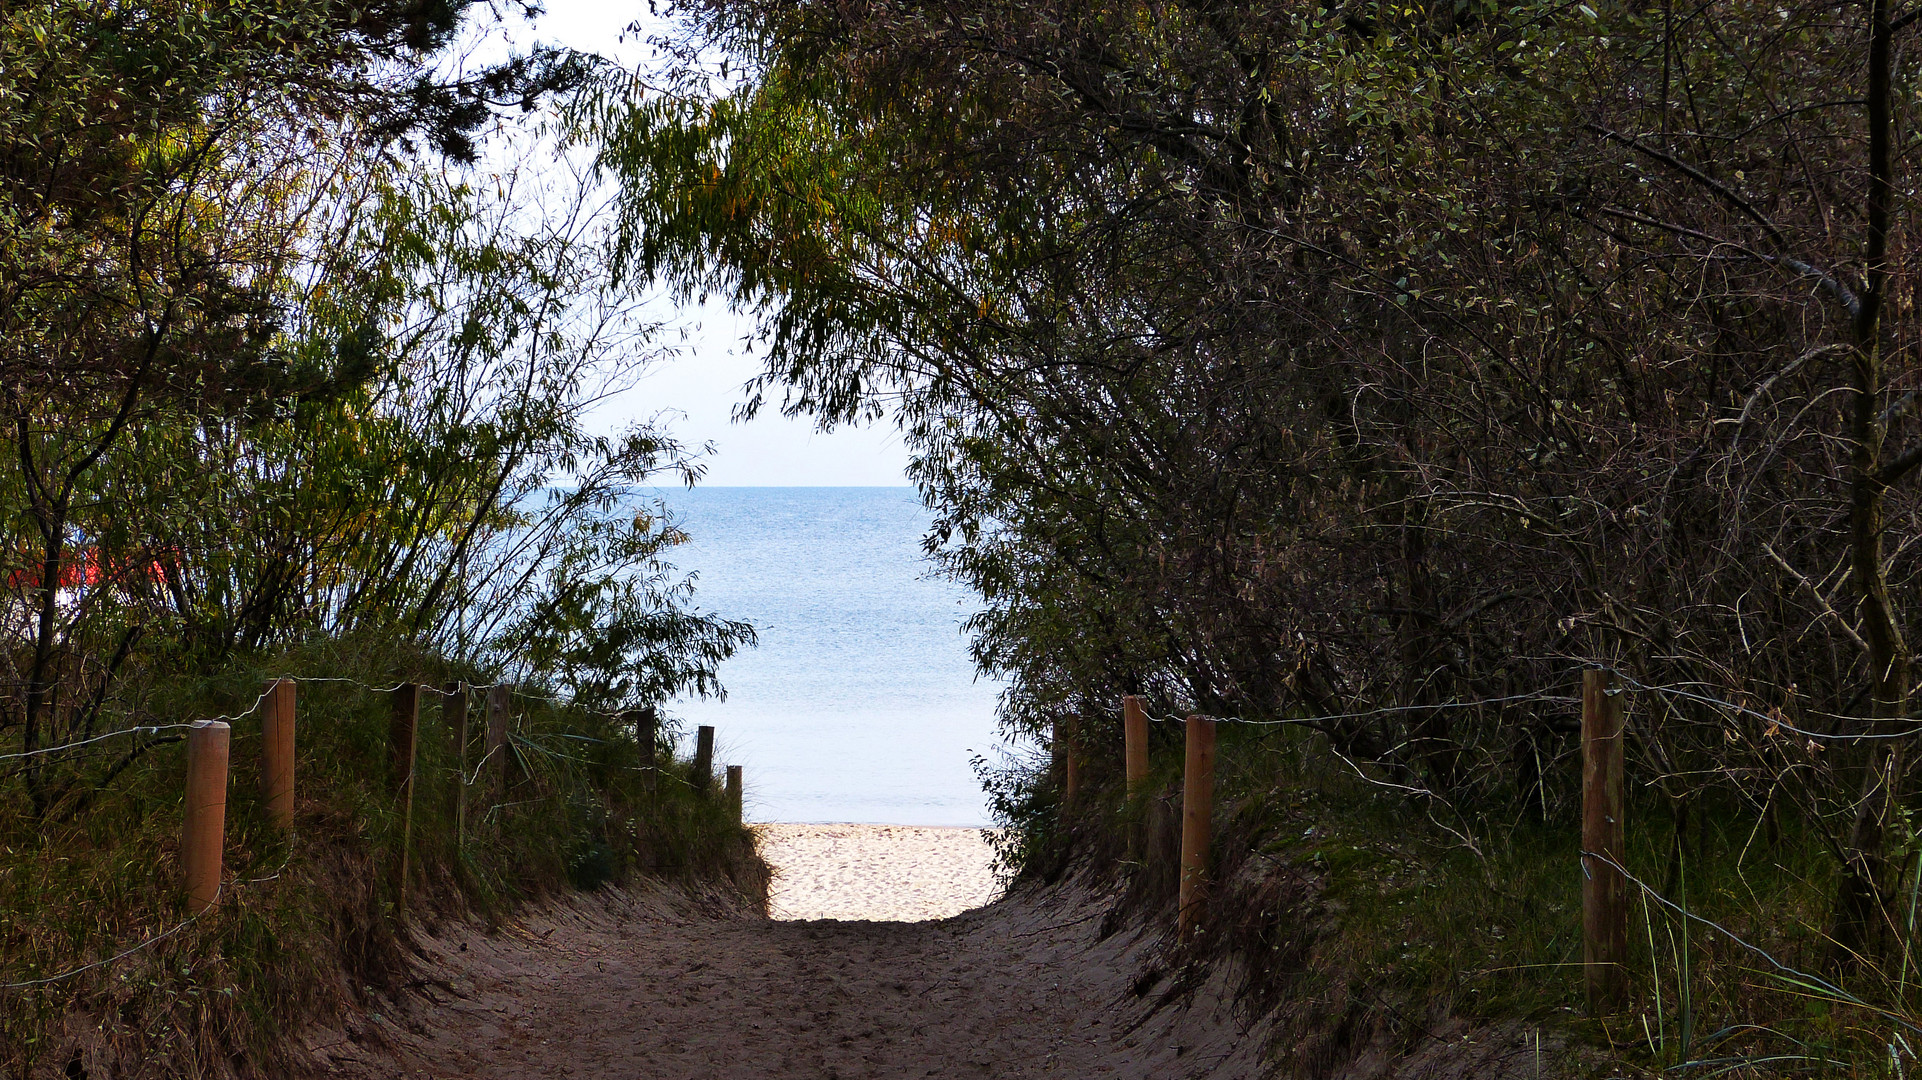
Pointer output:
x,y
653,983
902,873
644,985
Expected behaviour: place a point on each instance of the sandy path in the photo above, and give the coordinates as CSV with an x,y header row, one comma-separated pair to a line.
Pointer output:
x,y
642,987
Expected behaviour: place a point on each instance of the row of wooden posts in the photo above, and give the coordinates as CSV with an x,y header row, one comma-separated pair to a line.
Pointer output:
x,y
1604,885
203,830
1197,797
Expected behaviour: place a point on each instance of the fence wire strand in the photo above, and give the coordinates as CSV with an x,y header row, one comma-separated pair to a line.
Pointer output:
x,y
1781,969
1782,722
463,686
1387,710
124,953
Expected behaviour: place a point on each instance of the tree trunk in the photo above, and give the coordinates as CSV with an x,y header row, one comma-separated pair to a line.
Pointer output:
x,y
1859,903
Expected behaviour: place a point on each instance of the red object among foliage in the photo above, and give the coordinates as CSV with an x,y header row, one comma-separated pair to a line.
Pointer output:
x,y
84,570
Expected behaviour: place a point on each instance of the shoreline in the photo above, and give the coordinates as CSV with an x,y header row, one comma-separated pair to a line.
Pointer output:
x,y
873,824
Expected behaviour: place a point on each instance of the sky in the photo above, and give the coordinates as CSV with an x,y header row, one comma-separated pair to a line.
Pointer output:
x,y
694,392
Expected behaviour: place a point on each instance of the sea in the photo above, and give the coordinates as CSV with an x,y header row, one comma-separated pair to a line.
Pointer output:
x,y
860,703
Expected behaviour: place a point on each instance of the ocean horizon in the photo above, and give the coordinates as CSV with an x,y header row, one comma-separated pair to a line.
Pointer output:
x,y
861,703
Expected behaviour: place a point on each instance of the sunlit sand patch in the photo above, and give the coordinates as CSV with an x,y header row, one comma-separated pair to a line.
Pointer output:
x,y
882,872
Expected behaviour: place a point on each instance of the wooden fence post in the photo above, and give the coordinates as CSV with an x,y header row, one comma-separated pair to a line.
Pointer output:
x,y
1604,889
453,713
1064,757
1197,823
401,738
1134,735
704,758
204,828
1134,738
499,701
734,792
277,754
647,731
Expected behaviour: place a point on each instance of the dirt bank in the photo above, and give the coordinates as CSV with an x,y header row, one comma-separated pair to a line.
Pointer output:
x,y
650,985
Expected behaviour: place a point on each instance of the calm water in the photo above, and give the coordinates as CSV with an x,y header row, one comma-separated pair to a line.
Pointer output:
x,y
860,704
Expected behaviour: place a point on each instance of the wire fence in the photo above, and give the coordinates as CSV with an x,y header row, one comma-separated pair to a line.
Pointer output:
x,y
1893,728
1608,695
513,742
1692,692
462,687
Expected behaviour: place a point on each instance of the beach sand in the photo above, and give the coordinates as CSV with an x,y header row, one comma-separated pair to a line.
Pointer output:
x,y
882,872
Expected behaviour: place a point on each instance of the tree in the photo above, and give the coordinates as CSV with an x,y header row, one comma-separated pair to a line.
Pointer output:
x,y
1346,364
167,179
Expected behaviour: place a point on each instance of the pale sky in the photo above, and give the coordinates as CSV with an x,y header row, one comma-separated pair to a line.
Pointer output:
x,y
695,392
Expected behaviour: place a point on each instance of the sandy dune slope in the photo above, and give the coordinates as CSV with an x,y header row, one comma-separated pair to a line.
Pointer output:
x,y
647,984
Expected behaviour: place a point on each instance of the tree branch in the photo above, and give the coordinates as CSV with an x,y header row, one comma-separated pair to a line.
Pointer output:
x,y
1903,465
1727,193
